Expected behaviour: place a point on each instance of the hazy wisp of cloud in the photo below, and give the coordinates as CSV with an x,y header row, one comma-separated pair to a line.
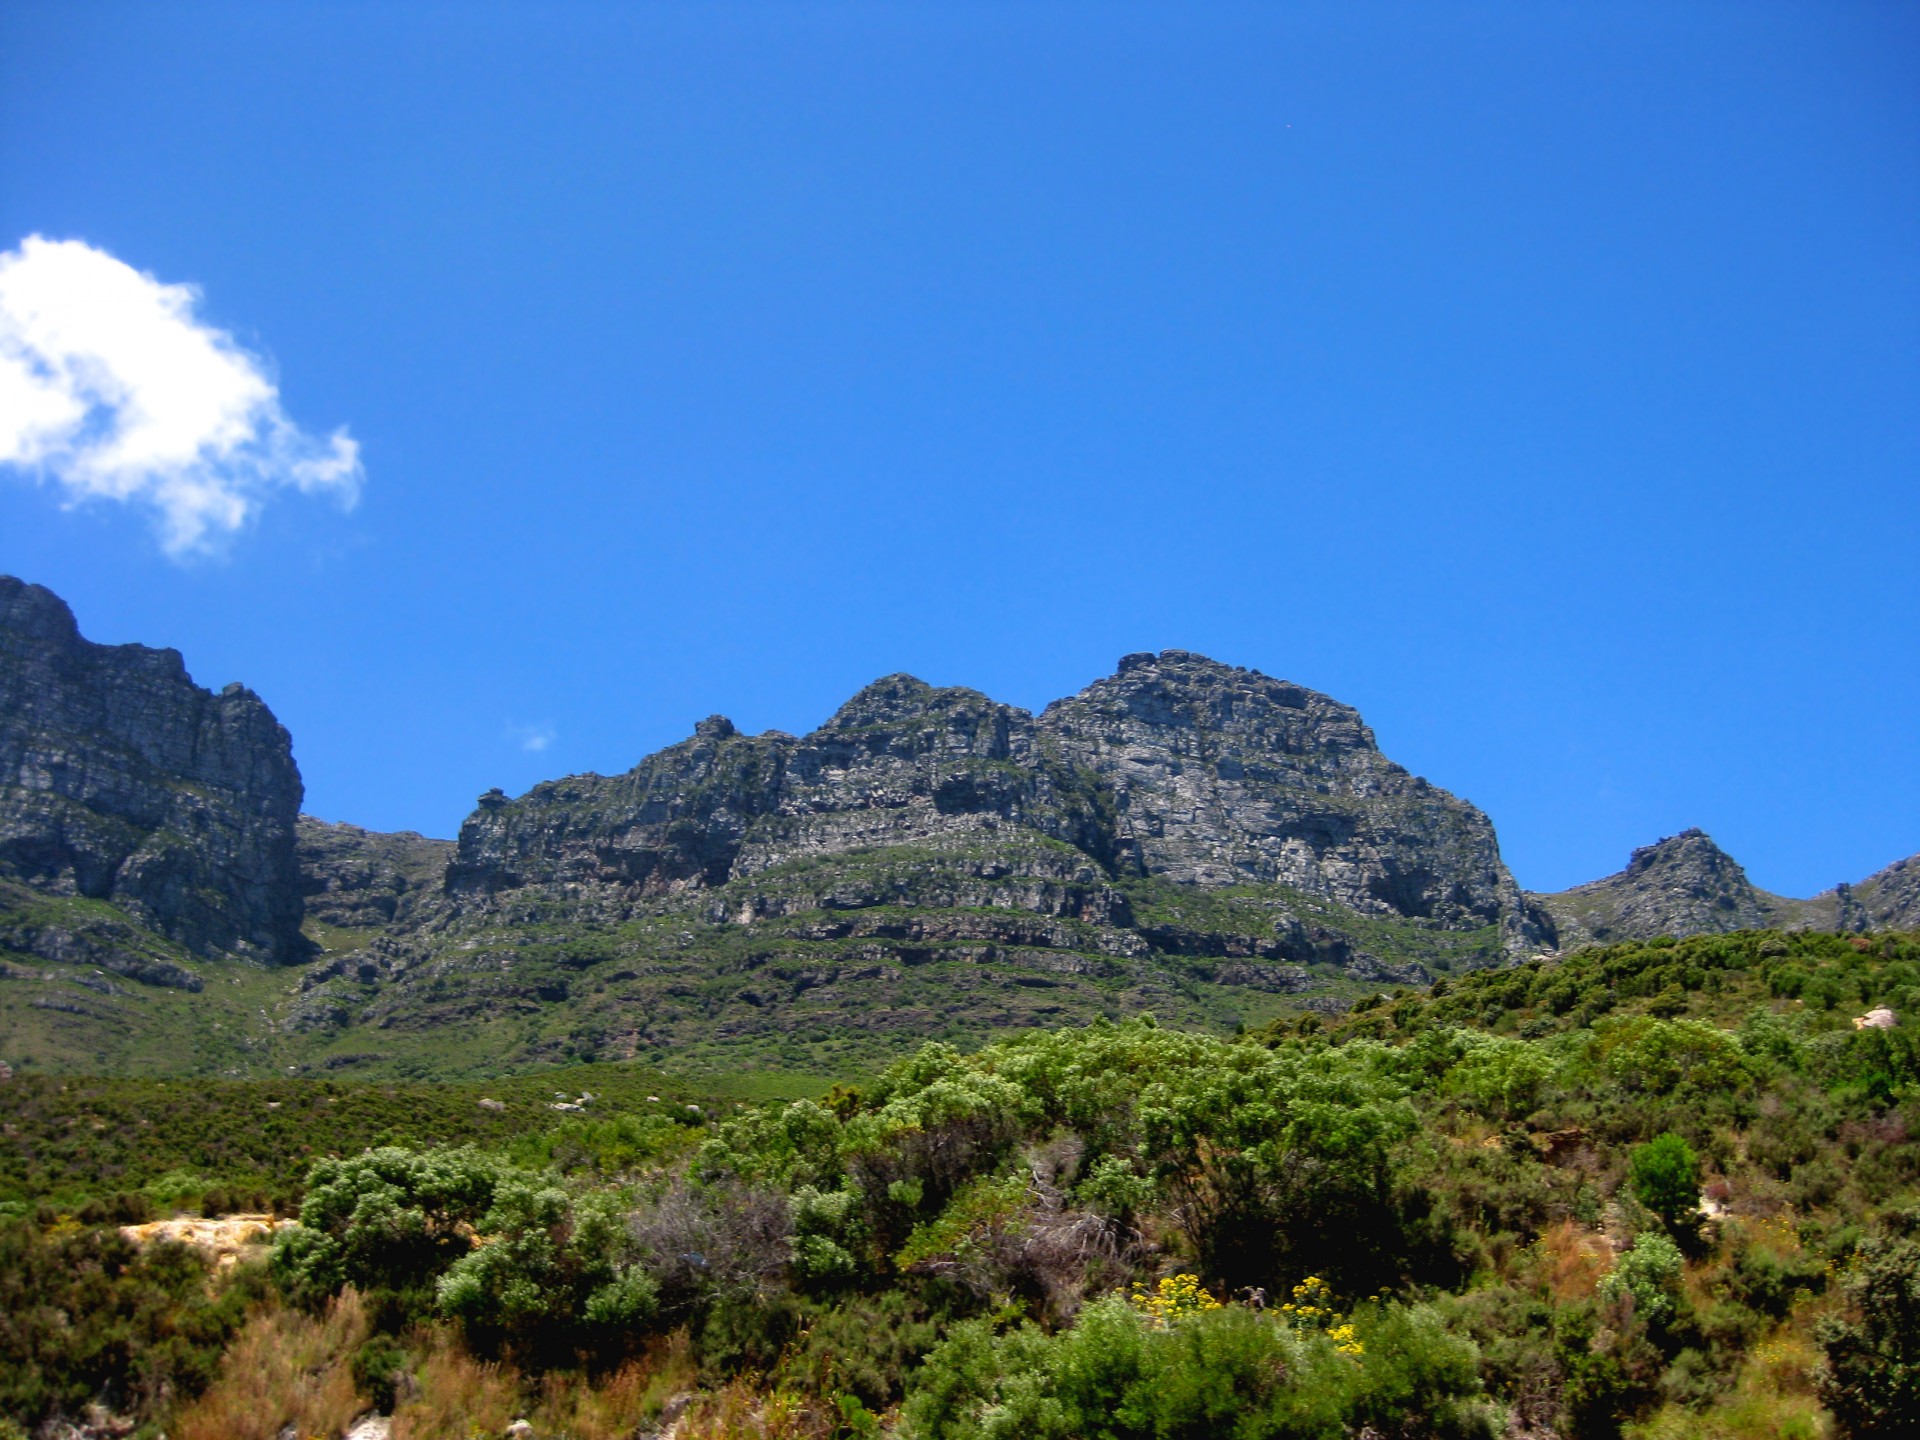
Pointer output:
x,y
112,388
533,738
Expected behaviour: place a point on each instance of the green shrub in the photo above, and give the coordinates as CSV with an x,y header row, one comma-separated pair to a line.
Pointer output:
x,y
557,1271
1649,1274
1665,1175
1766,1282
1121,1374
391,1219
86,1314
1502,1078
379,1366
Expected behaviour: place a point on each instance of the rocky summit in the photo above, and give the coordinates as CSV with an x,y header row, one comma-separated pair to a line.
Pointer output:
x,y
1682,885
1176,769
1182,837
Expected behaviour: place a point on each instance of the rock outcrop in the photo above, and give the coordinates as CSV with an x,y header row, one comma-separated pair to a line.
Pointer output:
x,y
1221,776
356,879
121,780
1888,899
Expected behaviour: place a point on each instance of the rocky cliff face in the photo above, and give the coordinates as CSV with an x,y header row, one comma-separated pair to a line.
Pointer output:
x,y
1221,776
1889,899
122,780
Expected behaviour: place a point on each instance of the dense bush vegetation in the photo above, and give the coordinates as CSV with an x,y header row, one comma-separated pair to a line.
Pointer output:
x,y
86,1316
1663,1189
69,1139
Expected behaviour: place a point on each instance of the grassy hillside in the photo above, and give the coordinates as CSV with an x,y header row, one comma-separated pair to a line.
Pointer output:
x,y
1661,1189
783,976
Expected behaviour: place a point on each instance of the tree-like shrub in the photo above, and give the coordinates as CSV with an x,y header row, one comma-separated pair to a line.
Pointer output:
x,y
1501,1078
1648,1274
557,1271
1665,1175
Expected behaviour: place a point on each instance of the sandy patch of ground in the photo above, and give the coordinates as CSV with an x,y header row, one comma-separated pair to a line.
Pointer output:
x,y
226,1238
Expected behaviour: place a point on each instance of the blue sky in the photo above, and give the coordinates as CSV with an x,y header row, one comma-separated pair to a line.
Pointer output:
x,y
1542,379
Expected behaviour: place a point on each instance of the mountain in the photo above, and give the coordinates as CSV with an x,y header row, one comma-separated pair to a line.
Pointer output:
x,y
1176,769
1183,837
1682,885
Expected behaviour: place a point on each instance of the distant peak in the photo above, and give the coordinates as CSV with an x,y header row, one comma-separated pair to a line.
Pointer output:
x,y
1172,659
900,697
716,727
1689,858
1189,674
1691,843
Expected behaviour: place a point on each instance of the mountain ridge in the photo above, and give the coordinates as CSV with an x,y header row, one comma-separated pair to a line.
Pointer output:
x,y
1183,836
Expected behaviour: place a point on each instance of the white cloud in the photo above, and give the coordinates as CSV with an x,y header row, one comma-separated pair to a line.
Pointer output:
x,y
534,738
111,388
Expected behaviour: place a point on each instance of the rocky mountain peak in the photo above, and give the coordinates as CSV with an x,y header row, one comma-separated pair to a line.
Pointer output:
x,y
1176,767
32,615
1179,691
1225,776
1681,885
1691,856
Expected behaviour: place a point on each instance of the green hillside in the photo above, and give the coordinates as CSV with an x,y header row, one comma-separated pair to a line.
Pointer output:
x,y
1659,1189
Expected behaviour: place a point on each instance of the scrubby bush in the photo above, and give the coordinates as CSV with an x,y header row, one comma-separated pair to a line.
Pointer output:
x,y
1648,1275
1502,1078
391,1219
1871,1378
1125,1372
85,1314
558,1271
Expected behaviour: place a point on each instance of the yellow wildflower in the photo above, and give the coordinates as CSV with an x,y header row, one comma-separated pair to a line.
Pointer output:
x,y
1174,1298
